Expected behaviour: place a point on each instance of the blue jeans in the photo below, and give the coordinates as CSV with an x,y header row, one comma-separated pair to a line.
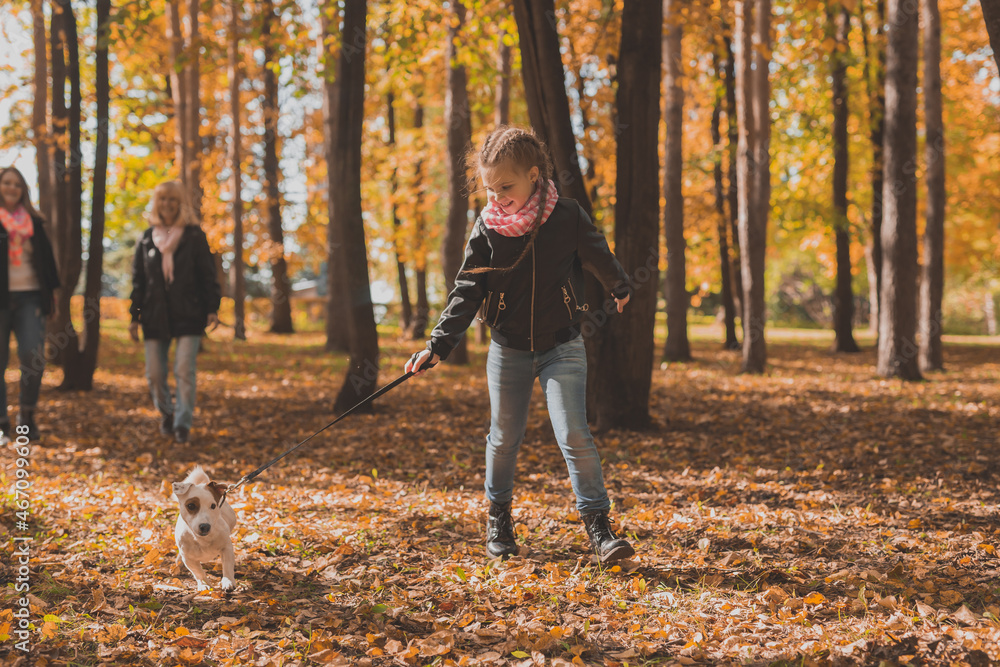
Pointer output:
x,y
562,372
184,374
24,317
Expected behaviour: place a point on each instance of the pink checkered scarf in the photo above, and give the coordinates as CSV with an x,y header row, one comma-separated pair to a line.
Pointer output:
x,y
521,221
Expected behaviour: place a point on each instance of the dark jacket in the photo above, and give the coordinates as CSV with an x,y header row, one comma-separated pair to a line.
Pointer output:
x,y
541,303
183,307
42,260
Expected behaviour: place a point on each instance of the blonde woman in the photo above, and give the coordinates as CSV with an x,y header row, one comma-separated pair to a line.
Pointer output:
x,y
175,295
28,280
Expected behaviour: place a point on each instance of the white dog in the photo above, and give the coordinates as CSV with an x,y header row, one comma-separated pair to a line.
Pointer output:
x,y
203,528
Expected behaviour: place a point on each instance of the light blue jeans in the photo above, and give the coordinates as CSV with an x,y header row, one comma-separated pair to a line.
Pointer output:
x,y
24,317
562,372
184,374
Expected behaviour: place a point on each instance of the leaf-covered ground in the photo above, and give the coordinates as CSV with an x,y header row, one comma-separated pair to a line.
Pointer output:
x,y
815,515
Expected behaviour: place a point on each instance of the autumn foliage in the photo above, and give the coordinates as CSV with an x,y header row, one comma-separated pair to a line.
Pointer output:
x,y
816,515
812,514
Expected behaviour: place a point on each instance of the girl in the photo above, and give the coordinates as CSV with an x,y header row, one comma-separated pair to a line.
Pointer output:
x,y
523,272
175,294
28,280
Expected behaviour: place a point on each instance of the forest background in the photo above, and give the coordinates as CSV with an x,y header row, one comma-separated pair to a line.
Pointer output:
x,y
820,508
407,70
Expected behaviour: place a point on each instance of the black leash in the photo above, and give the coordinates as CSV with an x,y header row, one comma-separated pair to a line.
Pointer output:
x,y
389,387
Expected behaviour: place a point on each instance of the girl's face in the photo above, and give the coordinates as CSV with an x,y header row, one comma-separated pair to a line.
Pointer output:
x,y
11,190
168,205
509,187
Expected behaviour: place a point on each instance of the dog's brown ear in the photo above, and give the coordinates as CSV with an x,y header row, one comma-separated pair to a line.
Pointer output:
x,y
181,489
217,490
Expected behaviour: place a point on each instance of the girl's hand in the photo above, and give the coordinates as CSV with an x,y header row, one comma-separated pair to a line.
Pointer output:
x,y
420,360
213,321
621,303
133,331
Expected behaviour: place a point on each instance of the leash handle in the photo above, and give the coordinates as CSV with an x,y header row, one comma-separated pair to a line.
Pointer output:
x,y
424,366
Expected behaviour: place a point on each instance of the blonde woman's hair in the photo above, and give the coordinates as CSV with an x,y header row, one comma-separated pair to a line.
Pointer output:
x,y
185,214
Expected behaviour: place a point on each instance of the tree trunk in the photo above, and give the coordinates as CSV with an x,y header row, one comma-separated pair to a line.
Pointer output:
x,y
843,301
753,94
990,314
548,109
733,134
60,122
179,88
637,221
338,335
932,285
236,273
897,351
39,112
406,310
67,174
677,347
347,222
193,125
459,129
418,327
503,83
281,289
725,262
876,133
81,355
545,90
406,307
501,117
991,12
872,288
755,355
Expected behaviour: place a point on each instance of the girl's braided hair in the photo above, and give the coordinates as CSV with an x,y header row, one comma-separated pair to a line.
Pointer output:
x,y
514,147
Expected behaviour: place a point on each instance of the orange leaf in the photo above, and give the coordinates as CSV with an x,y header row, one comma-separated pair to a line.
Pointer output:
x,y
815,598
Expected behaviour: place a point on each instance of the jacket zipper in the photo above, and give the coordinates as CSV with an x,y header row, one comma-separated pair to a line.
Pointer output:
x,y
500,306
486,307
531,335
566,300
585,307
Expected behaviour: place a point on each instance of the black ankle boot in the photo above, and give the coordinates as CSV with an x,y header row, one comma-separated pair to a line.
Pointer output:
x,y
606,545
26,417
167,423
500,540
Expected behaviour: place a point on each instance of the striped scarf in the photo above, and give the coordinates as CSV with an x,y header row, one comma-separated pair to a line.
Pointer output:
x,y
521,221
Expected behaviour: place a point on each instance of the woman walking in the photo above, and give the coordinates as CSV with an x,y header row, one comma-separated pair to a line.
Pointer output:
x,y
28,280
175,296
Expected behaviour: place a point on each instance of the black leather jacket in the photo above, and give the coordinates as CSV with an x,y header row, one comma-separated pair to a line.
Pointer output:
x,y
540,303
182,309
42,261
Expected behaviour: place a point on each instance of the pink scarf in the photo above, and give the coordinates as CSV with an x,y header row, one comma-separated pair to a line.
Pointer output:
x,y
521,221
166,240
19,230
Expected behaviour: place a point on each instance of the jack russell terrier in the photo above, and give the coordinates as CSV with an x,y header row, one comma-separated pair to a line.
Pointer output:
x,y
203,528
